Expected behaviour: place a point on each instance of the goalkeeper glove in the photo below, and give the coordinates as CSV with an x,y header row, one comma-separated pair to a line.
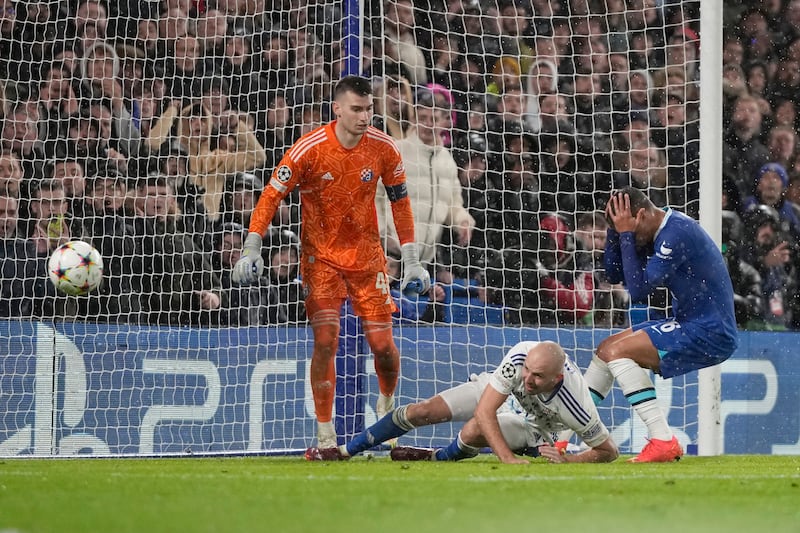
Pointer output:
x,y
251,265
415,278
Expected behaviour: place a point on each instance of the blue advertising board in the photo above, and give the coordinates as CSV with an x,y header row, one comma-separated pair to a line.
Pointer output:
x,y
74,388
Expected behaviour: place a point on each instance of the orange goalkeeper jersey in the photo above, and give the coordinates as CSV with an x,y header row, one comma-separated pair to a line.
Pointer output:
x,y
337,197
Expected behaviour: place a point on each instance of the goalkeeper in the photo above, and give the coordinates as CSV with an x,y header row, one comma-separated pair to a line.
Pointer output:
x,y
337,167
544,383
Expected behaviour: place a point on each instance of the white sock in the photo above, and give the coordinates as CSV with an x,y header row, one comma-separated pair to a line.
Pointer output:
x,y
384,405
326,435
599,379
640,392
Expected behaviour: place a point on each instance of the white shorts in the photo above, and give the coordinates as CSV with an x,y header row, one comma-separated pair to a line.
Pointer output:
x,y
518,430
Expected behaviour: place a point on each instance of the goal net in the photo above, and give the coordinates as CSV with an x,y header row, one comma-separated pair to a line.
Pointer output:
x,y
149,129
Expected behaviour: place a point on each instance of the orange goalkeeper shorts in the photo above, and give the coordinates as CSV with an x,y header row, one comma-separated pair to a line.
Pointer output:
x,y
368,290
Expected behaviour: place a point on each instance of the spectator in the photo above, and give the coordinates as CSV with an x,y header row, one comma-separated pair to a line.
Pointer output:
x,y
647,171
17,263
771,183
209,167
505,73
91,23
180,287
758,79
434,189
742,147
85,141
211,29
244,189
512,205
754,31
237,65
516,33
398,27
10,175
102,221
276,60
748,297
395,107
50,224
468,262
683,50
39,25
146,37
557,291
57,96
286,296
557,171
172,24
20,135
68,171
184,67
640,84
542,79
770,251
782,145
214,96
680,139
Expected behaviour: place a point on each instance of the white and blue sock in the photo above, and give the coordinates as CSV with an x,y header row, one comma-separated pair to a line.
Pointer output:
x,y
599,379
455,451
638,388
394,424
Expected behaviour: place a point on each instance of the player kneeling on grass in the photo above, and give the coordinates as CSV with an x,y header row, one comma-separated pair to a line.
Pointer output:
x,y
547,386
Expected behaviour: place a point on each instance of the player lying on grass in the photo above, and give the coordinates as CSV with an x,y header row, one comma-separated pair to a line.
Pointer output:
x,y
547,386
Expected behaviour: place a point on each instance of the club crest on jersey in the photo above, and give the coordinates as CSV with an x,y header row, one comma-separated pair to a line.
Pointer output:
x,y
367,175
664,251
508,371
284,173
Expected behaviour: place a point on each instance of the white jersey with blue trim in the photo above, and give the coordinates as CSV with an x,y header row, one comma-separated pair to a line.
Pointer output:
x,y
569,406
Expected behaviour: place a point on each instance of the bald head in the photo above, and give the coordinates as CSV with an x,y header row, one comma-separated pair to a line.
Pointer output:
x,y
543,368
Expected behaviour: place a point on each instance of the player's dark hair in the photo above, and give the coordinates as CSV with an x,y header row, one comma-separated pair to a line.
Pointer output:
x,y
638,198
353,84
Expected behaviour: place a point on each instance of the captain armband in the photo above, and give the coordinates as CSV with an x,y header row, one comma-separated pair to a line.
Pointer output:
x,y
396,192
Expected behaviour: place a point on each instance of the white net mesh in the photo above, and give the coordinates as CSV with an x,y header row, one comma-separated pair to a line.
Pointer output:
x,y
149,128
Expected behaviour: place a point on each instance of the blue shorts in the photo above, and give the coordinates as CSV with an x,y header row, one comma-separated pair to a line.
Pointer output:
x,y
677,348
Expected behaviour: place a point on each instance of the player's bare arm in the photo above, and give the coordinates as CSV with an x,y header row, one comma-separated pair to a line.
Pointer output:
x,y
603,453
487,426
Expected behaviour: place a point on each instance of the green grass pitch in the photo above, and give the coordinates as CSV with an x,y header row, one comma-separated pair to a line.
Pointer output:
x,y
698,494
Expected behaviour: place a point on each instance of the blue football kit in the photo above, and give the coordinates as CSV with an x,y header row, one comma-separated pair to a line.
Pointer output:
x,y
684,259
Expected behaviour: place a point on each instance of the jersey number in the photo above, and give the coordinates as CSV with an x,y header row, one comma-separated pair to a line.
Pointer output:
x,y
382,283
668,327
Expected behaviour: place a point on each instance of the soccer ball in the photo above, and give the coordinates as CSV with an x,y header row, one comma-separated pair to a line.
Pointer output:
x,y
76,268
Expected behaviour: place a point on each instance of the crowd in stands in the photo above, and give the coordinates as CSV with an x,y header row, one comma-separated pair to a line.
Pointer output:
x,y
149,128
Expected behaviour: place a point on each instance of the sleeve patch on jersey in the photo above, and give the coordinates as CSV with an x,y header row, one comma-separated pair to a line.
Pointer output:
x,y
399,169
284,173
278,186
396,192
509,370
592,431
